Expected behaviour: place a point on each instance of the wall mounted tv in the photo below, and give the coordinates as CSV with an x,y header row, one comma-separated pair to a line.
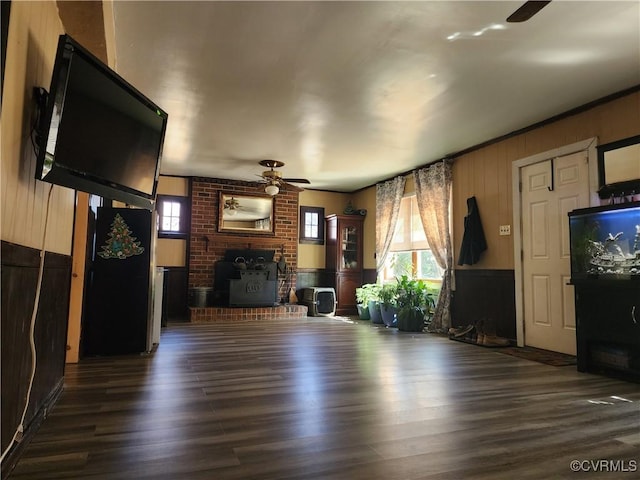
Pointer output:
x,y
97,133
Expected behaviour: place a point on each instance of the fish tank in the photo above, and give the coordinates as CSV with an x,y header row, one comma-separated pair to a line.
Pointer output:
x,y
605,242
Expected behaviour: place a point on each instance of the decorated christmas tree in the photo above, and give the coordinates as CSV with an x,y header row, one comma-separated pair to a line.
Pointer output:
x,y
120,243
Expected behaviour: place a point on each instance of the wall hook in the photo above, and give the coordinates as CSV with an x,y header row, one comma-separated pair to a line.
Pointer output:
x,y
552,174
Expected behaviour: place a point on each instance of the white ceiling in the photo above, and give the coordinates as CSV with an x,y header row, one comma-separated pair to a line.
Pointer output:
x,y
351,93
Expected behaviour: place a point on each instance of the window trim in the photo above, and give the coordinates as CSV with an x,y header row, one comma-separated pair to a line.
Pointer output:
x,y
184,216
319,239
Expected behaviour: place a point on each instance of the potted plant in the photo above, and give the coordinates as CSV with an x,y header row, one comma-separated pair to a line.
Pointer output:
x,y
374,303
415,304
388,294
364,295
367,295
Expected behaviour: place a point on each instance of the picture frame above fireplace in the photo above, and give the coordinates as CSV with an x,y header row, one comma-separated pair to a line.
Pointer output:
x,y
246,213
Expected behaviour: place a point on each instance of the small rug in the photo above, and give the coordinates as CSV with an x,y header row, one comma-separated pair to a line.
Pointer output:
x,y
547,357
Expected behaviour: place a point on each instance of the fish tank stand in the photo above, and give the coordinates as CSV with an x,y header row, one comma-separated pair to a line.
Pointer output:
x,y
605,271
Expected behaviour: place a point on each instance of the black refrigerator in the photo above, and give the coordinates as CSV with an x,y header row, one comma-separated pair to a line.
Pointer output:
x,y
117,319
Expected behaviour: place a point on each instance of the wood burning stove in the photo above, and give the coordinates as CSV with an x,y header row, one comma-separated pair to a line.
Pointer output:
x,y
246,278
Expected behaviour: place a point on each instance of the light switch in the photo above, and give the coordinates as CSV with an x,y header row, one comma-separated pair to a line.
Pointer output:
x,y
505,229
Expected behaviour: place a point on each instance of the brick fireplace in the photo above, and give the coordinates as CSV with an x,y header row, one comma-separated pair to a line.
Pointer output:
x,y
208,246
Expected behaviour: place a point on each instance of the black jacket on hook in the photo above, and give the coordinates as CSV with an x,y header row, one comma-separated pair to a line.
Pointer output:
x,y
473,241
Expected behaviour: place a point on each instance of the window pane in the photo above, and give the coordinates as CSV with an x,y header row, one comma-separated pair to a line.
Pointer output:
x,y
401,264
311,226
417,231
402,234
410,254
428,267
398,235
170,216
311,231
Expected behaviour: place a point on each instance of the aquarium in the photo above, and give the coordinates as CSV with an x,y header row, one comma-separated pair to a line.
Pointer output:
x,y
605,242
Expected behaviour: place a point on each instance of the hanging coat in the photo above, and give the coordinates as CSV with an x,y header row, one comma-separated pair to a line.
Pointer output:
x,y
473,241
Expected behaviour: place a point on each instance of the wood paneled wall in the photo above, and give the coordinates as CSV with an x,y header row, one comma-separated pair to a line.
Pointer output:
x,y
33,33
175,291
31,48
20,266
485,295
486,173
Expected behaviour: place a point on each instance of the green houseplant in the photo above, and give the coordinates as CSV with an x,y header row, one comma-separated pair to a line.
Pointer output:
x,y
415,304
364,295
388,306
367,295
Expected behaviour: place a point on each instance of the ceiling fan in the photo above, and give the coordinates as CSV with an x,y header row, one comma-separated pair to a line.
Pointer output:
x,y
232,205
273,178
527,10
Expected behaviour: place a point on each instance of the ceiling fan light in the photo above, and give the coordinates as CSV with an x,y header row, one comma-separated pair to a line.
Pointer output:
x,y
231,212
271,189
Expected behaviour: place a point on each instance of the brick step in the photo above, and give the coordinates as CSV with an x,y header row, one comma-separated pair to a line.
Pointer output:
x,y
239,314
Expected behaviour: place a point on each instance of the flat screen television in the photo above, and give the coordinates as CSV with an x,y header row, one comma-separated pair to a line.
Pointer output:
x,y
98,134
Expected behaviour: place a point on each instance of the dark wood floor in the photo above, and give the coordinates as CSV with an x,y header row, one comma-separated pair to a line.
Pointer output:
x,y
324,398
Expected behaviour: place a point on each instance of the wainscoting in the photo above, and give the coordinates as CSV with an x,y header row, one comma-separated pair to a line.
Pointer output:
x,y
485,294
174,298
320,277
312,277
20,267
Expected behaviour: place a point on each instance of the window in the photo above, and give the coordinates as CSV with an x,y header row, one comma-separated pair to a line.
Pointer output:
x,y
312,225
173,216
410,253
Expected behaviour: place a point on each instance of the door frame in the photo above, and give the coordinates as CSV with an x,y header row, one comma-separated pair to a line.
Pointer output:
x,y
590,146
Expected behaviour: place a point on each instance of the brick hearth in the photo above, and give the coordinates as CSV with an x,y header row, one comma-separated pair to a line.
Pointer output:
x,y
207,245
228,314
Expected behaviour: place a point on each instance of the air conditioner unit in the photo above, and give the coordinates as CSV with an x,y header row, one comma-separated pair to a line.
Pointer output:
x,y
321,301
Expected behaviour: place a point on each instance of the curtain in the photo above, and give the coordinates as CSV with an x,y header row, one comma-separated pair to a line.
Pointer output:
x,y
433,193
388,198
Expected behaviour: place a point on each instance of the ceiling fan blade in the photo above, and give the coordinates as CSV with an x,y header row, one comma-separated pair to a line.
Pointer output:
x,y
527,10
296,180
289,186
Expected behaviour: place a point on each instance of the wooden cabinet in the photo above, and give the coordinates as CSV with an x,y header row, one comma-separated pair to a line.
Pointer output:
x,y
344,259
608,327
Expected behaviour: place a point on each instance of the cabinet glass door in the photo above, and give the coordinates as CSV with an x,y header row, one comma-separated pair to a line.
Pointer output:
x,y
349,248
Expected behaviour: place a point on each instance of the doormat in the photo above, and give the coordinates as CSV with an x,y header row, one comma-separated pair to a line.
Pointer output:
x,y
547,357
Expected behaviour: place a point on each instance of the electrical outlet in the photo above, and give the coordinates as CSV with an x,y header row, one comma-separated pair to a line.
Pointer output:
x,y
505,229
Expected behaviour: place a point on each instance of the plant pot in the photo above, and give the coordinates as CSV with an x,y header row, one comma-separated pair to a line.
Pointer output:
x,y
363,312
410,320
389,314
374,312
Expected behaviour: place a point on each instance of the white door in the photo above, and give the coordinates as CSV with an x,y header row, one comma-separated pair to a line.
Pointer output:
x,y
550,189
